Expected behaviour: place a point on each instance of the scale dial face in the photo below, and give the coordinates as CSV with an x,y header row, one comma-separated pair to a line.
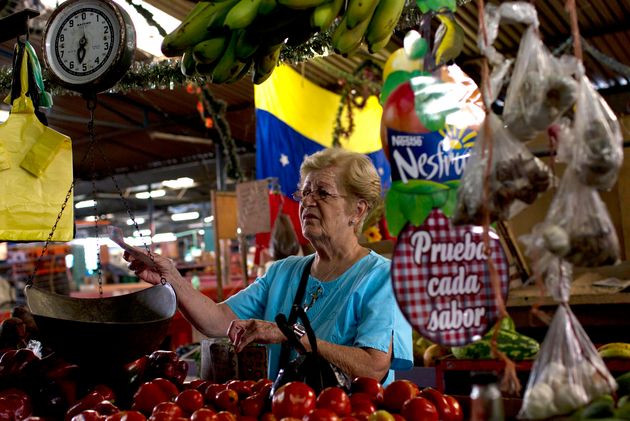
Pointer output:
x,y
88,44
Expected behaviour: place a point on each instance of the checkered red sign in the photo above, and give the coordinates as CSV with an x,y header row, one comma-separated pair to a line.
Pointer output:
x,y
441,280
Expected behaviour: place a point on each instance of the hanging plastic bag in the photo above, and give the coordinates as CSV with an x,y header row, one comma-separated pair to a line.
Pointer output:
x,y
284,241
568,372
598,142
515,174
35,172
541,89
578,227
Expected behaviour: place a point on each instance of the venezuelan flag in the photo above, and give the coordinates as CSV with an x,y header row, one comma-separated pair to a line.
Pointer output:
x,y
295,118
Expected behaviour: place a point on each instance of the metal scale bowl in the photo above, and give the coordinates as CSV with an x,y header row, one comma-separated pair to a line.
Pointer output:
x,y
106,331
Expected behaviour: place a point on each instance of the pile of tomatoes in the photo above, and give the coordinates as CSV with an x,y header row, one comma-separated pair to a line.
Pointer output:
x,y
246,400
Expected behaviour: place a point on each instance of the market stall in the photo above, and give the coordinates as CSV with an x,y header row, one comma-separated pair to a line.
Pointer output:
x,y
504,211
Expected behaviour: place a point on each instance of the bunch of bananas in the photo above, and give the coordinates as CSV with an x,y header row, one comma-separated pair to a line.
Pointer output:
x,y
224,39
614,350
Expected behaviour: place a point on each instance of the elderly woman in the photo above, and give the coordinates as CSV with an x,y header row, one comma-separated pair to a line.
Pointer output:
x,y
349,298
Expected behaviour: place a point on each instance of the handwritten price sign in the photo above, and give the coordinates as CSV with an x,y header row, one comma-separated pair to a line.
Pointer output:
x,y
442,282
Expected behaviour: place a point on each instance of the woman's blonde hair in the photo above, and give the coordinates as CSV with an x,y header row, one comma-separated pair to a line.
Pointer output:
x,y
359,178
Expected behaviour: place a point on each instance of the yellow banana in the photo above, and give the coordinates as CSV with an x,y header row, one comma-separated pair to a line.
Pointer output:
x,y
192,30
228,66
359,11
376,46
449,39
242,14
621,345
324,15
615,353
265,63
246,44
187,63
383,22
346,41
266,7
301,4
209,50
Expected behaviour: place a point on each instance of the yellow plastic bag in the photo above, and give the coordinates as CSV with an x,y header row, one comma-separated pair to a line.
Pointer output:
x,y
35,174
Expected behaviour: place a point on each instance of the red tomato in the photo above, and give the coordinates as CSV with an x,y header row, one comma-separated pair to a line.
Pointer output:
x,y
203,414
457,414
398,417
126,416
212,390
360,397
167,386
106,408
240,387
162,416
369,386
419,409
245,418
294,399
268,416
198,384
363,408
350,418
253,405
189,400
335,399
225,416
147,396
87,415
438,400
170,408
249,383
321,414
261,385
397,393
227,400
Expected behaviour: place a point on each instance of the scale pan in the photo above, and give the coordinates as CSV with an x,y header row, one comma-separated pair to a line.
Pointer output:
x,y
103,332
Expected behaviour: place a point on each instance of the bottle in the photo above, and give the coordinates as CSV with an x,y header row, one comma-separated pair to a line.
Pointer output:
x,y
485,398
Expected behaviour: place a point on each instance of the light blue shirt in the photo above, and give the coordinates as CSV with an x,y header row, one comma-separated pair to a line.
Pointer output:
x,y
357,309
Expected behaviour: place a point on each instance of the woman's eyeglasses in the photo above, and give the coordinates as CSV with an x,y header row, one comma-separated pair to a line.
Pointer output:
x,y
316,195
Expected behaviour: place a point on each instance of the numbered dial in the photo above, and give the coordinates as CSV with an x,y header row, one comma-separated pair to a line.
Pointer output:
x,y
88,43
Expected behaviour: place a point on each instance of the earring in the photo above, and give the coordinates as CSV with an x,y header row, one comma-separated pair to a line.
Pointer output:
x,y
351,222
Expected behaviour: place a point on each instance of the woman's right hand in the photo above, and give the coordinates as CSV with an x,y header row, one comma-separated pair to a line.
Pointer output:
x,y
162,267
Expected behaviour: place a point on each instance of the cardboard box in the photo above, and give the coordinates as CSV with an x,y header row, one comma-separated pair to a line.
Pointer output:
x,y
220,363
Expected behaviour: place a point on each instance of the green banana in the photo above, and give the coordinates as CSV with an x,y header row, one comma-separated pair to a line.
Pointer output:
x,y
242,14
192,30
359,11
449,39
215,23
299,31
205,69
383,22
324,15
187,63
240,75
264,64
228,66
346,41
246,44
266,7
376,46
209,50
301,4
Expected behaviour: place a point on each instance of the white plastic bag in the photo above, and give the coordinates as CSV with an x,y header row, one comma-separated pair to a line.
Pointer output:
x,y
568,372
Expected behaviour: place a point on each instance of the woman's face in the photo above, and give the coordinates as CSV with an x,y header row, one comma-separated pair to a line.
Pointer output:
x,y
325,210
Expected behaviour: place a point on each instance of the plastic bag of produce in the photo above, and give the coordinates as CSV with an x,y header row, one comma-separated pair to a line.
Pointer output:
x,y
541,88
577,227
514,174
597,141
568,373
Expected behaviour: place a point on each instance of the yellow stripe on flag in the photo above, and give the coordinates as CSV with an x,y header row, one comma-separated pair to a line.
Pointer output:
x,y
311,110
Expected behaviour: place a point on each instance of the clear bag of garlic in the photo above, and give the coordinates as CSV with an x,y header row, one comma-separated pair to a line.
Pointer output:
x,y
568,372
541,88
515,174
578,227
597,139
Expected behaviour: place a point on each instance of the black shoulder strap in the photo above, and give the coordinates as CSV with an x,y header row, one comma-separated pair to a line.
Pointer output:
x,y
297,301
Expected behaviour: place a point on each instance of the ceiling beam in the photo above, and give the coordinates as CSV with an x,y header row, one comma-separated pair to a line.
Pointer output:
x,y
180,138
